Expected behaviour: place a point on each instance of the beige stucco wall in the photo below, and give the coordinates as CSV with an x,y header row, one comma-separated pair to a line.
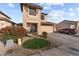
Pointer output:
x,y
77,26
54,28
35,18
45,19
3,24
48,29
31,19
25,16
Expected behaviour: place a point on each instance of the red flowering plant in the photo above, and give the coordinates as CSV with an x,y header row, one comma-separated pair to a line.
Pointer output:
x,y
13,32
21,32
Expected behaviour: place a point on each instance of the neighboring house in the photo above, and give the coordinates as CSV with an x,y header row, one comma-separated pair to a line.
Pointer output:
x,y
5,20
68,24
34,20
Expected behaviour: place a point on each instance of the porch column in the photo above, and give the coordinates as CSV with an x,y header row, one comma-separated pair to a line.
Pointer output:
x,y
39,29
19,41
39,21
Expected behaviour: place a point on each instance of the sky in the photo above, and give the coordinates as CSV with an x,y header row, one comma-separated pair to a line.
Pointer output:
x,y
56,12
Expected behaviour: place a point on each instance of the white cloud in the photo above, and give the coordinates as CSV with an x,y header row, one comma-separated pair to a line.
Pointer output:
x,y
11,5
59,11
77,9
71,9
56,15
62,4
72,14
48,5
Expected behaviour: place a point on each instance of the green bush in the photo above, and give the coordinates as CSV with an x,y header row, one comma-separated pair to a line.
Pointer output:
x,y
35,43
44,34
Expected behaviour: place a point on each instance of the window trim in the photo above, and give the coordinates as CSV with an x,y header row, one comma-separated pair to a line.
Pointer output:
x,y
42,16
34,14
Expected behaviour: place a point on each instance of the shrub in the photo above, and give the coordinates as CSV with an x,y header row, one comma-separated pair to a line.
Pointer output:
x,y
44,34
20,31
13,33
35,43
7,37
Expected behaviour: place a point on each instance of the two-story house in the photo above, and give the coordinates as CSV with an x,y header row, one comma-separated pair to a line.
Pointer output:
x,y
34,20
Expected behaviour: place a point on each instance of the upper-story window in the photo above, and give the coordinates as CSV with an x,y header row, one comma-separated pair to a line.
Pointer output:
x,y
42,17
32,11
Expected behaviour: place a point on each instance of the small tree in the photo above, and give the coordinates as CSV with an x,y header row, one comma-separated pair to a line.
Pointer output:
x,y
21,32
13,33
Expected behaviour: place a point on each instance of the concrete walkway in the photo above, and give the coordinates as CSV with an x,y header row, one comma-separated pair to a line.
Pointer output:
x,y
70,46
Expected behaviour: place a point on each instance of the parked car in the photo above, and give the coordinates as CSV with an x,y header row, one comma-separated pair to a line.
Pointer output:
x,y
67,31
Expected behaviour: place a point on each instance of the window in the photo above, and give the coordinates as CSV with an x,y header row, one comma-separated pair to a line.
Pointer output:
x,y
32,11
72,26
42,17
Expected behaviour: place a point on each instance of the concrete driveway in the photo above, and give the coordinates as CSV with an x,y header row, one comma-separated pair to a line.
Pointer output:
x,y
70,46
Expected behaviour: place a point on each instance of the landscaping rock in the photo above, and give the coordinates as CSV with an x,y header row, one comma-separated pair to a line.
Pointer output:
x,y
2,49
20,51
9,43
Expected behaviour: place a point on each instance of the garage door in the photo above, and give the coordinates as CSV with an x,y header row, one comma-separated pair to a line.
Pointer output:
x,y
48,29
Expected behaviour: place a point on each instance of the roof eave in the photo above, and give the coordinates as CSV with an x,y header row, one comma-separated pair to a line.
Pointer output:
x,y
44,13
5,14
21,5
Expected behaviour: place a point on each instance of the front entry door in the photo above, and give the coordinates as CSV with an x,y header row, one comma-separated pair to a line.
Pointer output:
x,y
34,28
